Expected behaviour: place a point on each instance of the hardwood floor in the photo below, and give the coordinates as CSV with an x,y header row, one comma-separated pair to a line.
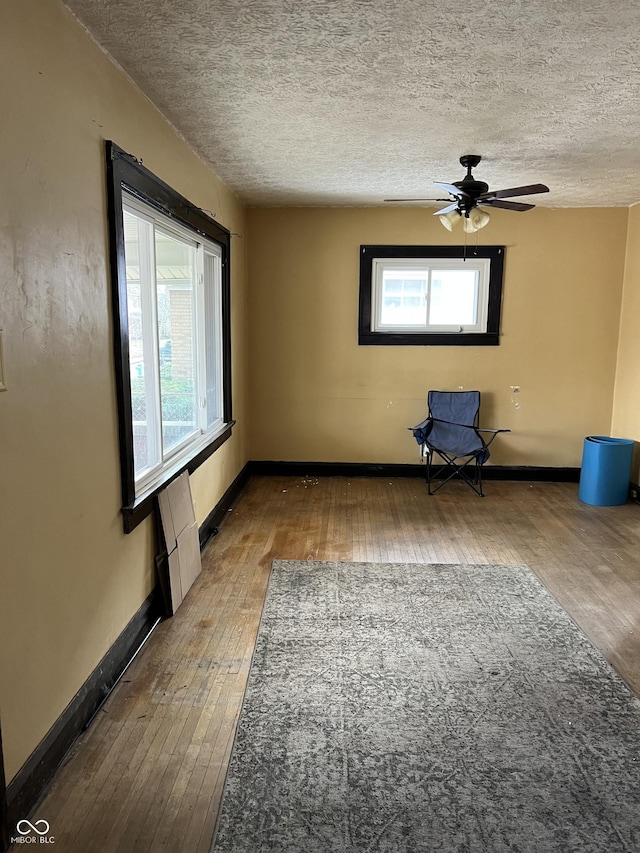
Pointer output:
x,y
148,774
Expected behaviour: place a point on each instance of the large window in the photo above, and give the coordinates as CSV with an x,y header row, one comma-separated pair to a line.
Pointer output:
x,y
171,301
425,295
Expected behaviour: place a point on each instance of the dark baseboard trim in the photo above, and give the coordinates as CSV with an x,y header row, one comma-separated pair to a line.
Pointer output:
x,y
32,780
209,526
366,469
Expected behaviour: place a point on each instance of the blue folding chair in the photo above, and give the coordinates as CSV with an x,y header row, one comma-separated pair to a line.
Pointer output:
x,y
452,431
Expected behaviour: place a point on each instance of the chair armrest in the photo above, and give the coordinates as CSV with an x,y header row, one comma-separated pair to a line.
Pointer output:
x,y
421,425
493,433
421,431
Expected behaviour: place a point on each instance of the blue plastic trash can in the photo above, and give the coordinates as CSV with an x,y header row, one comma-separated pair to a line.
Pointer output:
x,y
606,470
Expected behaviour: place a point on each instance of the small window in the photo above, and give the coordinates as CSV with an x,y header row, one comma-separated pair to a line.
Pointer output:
x,y
426,295
171,310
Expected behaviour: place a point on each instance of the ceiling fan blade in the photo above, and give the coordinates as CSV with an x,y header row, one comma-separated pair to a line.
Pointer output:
x,y
451,188
507,205
448,209
416,199
530,189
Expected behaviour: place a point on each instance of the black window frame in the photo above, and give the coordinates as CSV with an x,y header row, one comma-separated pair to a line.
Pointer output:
x,y
126,173
368,337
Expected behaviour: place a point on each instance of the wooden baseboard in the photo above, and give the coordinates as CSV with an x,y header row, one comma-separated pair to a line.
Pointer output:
x,y
28,786
366,469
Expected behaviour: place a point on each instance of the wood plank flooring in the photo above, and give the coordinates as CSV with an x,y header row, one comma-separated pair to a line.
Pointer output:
x,y
148,774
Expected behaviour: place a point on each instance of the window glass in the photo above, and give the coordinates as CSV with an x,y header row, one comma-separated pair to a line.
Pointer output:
x,y
175,287
213,319
403,298
175,353
453,297
425,295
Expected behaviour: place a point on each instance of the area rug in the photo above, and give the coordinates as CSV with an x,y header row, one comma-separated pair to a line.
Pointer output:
x,y
396,708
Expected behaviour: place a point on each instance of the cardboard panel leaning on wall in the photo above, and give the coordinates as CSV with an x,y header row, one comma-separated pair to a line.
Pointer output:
x,y
317,396
71,580
181,563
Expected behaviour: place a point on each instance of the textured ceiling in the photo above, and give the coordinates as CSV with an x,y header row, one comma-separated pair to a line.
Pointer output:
x,y
332,102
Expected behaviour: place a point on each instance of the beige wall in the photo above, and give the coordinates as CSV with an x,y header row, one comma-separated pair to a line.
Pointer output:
x,y
626,401
70,580
316,395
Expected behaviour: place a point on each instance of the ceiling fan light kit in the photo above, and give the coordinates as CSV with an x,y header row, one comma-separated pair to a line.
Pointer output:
x,y
450,219
468,196
472,221
476,219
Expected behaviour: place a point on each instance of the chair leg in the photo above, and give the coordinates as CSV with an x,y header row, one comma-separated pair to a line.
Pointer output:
x,y
479,490
473,478
429,457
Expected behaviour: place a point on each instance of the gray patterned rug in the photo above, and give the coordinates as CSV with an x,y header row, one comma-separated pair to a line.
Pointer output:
x,y
396,708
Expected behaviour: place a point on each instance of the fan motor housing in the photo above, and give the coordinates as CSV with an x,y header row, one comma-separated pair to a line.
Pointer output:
x,y
468,184
472,187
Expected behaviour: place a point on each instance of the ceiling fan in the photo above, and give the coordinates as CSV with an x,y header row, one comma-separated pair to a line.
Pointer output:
x,y
467,196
